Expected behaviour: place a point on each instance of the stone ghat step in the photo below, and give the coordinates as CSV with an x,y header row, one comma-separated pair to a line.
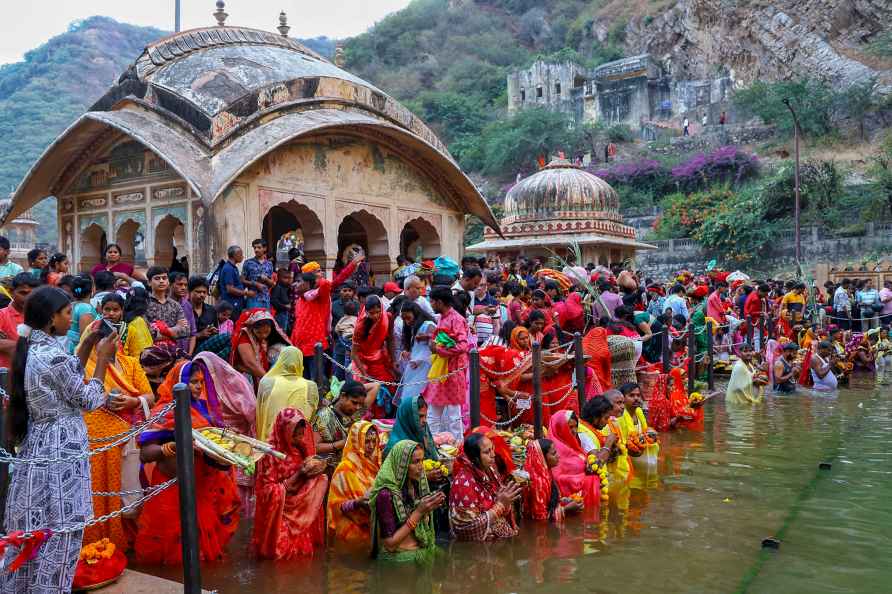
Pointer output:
x,y
134,582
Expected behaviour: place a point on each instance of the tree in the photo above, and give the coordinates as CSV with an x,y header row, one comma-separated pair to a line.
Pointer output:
x,y
857,100
813,101
881,169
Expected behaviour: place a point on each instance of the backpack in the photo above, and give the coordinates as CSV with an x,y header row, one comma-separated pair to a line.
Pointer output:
x,y
214,280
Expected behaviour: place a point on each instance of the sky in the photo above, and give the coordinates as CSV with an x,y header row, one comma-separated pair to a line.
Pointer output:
x,y
30,23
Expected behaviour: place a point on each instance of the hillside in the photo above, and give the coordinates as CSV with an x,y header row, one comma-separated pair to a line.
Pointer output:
x,y
56,83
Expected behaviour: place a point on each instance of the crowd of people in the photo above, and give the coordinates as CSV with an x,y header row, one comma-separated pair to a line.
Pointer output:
x,y
377,449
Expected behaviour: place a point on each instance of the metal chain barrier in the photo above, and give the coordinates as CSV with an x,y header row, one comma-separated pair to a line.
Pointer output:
x,y
562,398
114,514
355,373
499,424
139,428
7,458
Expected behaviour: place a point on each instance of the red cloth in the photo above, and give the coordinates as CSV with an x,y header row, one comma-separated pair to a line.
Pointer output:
x,y
504,459
122,267
372,349
158,536
570,474
490,365
570,313
312,318
288,524
10,318
538,494
753,306
594,344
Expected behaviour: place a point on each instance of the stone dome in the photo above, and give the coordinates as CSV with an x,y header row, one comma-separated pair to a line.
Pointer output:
x,y
561,191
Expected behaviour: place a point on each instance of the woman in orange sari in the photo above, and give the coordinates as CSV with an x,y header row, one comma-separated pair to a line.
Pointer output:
x,y
348,504
116,469
158,535
289,520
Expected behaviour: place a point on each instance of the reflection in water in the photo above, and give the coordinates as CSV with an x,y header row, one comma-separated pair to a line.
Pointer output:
x,y
693,523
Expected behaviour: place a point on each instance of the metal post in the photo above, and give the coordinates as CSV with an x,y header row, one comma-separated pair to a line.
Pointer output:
x,y
4,468
710,357
692,357
318,373
667,350
537,390
580,368
749,330
474,376
176,20
186,486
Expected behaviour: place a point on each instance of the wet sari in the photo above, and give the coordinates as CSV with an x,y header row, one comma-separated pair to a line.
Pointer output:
x,y
288,523
541,498
402,497
158,542
474,513
351,481
570,474
283,387
741,389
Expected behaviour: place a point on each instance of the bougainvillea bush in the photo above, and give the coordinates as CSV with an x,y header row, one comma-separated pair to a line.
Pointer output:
x,y
638,183
725,165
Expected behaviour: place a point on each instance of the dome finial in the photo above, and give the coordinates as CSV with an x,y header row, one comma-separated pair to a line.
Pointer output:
x,y
283,24
339,59
220,14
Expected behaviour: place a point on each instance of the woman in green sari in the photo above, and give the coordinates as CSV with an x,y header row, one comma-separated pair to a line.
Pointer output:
x,y
401,504
411,423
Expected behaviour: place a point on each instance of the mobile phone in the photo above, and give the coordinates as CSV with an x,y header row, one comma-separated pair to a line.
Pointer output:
x,y
105,328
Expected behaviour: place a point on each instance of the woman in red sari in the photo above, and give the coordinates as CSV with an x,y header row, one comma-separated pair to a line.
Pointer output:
x,y
289,520
158,533
371,347
542,498
570,474
255,333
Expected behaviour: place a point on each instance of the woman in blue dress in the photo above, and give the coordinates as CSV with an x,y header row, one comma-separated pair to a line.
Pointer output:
x,y
415,359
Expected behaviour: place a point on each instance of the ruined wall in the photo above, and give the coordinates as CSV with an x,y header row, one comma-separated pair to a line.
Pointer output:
x,y
555,82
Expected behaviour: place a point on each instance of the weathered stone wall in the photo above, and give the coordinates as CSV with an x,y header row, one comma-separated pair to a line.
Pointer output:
x,y
673,255
555,82
341,190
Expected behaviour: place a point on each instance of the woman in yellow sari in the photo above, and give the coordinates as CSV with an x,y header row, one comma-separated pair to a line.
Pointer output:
x,y
283,387
348,505
116,469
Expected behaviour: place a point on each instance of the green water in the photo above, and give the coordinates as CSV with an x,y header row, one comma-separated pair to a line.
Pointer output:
x,y
751,474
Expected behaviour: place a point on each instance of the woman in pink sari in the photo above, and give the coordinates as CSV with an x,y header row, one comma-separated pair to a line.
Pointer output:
x,y
570,474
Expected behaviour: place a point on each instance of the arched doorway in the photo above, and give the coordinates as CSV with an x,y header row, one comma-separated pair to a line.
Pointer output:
x,y
364,230
92,246
419,239
131,237
170,234
290,225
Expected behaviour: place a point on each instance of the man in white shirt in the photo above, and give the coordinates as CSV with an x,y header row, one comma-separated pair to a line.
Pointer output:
x,y
842,306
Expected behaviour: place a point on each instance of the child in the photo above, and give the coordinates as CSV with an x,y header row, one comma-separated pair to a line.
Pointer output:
x,y
281,299
224,313
37,262
344,329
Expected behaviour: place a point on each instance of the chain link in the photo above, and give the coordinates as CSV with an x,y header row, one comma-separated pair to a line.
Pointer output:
x,y
151,492
355,373
561,400
498,424
7,458
139,427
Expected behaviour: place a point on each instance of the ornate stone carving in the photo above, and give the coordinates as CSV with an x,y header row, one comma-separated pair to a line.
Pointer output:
x,y
169,193
128,198
344,209
92,202
67,205
176,211
68,236
138,216
100,219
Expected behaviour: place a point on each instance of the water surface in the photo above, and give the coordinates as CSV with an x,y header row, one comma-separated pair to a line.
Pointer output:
x,y
752,473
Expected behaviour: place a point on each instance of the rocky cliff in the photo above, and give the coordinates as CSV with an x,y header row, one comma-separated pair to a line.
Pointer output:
x,y
769,40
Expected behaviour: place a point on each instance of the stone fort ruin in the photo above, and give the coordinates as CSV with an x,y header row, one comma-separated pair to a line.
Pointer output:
x,y
634,91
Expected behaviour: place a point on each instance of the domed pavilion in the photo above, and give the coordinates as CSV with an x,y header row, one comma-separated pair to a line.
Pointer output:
x,y
558,206
217,136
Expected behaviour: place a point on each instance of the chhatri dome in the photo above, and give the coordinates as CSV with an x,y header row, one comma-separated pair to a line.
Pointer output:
x,y
557,206
219,135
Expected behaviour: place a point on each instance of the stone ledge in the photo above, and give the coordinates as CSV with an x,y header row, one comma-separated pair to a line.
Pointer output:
x,y
134,582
